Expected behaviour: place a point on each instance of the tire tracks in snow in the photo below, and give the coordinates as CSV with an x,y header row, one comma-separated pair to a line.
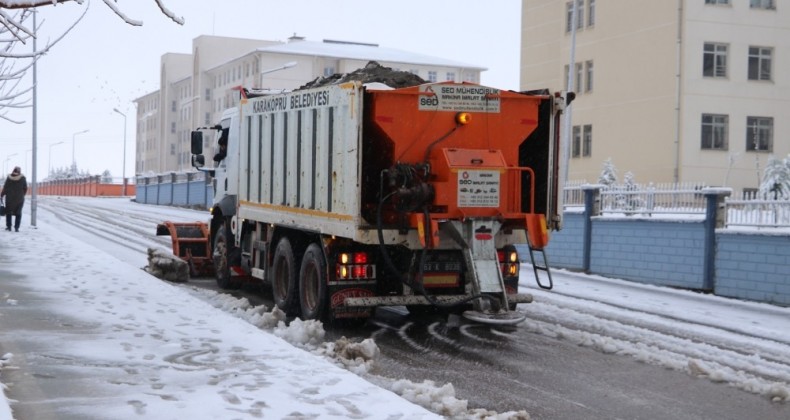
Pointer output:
x,y
749,362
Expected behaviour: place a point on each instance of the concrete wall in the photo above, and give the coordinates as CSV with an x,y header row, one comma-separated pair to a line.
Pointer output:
x,y
689,253
753,266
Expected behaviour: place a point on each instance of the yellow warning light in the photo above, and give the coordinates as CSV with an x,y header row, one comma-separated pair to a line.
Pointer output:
x,y
463,118
344,258
513,257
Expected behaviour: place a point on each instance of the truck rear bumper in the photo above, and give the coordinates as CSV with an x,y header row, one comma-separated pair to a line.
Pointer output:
x,y
421,300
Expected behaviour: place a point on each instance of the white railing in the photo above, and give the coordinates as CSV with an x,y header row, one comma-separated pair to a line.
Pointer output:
x,y
654,198
755,212
687,199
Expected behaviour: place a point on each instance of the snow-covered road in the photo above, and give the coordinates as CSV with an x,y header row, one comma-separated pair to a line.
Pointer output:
x,y
743,345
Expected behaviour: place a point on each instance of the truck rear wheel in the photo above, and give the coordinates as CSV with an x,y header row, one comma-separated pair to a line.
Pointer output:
x,y
222,249
312,283
283,278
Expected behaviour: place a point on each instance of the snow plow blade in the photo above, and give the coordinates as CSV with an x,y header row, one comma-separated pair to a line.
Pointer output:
x,y
191,244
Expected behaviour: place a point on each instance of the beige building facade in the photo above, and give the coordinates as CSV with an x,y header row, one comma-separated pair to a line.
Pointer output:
x,y
196,88
672,91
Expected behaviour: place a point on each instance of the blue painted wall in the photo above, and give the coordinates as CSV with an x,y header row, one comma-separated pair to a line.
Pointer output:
x,y
650,251
753,266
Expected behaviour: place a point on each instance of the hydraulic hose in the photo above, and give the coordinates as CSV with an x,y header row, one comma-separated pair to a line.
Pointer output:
x,y
404,277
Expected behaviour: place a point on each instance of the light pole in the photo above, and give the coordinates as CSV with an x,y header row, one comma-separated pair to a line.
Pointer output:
x,y
74,162
49,163
5,163
123,170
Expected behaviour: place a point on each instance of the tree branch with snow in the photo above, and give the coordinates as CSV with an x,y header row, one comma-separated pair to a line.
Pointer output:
x,y
16,28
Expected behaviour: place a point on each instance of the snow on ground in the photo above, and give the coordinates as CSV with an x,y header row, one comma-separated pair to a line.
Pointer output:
x,y
141,345
135,345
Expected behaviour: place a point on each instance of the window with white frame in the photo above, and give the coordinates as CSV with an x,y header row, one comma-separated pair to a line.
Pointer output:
x,y
587,140
714,131
450,76
760,134
576,143
760,63
717,1
588,76
432,76
714,60
328,71
577,78
579,15
762,4
591,13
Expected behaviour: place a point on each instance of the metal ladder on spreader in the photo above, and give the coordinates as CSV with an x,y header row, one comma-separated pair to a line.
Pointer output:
x,y
536,267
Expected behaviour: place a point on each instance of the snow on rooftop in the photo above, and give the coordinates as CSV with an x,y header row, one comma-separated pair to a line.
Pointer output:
x,y
365,52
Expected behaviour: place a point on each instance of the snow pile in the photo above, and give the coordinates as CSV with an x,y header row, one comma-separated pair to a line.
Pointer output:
x,y
5,410
166,266
357,358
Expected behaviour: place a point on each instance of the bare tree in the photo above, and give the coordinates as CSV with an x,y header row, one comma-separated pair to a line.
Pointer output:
x,y
16,28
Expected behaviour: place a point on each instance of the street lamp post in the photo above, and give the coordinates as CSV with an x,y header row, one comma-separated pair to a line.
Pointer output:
x,y
5,163
74,162
49,163
123,170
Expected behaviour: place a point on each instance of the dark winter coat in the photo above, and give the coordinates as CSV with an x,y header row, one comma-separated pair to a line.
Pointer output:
x,y
14,191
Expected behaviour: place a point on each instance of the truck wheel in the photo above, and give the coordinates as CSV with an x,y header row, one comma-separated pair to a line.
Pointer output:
x,y
222,248
283,278
312,283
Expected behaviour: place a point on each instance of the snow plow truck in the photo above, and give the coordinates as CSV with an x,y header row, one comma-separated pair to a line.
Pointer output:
x,y
351,196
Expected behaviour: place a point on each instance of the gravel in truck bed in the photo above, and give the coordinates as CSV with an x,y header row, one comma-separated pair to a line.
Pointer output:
x,y
372,72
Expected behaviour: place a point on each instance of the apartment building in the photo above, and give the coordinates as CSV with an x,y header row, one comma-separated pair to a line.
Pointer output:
x,y
671,90
195,88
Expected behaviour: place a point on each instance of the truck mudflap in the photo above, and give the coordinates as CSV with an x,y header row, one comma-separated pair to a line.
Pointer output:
x,y
501,317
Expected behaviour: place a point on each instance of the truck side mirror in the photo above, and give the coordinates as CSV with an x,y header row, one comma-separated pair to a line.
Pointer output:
x,y
197,142
198,161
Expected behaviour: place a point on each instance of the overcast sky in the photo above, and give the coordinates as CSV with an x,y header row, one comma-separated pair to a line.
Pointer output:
x,y
105,63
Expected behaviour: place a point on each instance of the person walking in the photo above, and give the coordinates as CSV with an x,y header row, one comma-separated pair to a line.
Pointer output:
x,y
14,190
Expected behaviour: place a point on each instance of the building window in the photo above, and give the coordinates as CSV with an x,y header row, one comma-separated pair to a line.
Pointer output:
x,y
576,143
714,131
588,73
714,60
577,81
591,13
207,120
760,134
431,76
760,63
587,140
208,94
173,106
579,15
450,76
172,127
762,4
172,149
717,1
328,71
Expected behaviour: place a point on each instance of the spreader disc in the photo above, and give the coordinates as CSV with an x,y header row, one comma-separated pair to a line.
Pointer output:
x,y
495,318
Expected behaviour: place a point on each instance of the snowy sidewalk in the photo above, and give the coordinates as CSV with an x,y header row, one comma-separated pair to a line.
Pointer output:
x,y
84,335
